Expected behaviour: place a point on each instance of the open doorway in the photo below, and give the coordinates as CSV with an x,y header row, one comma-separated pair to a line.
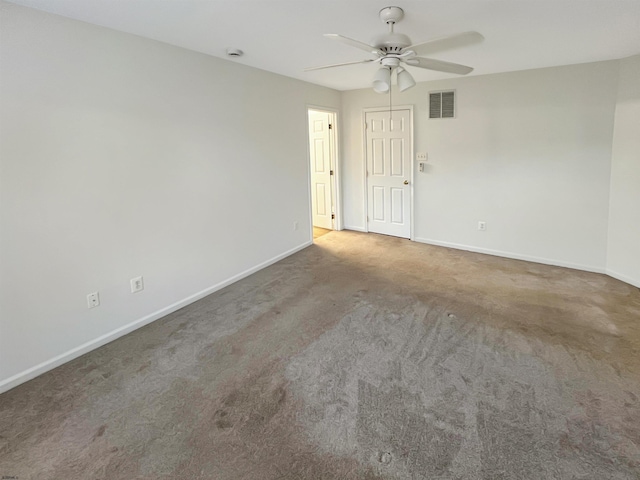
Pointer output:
x,y
323,171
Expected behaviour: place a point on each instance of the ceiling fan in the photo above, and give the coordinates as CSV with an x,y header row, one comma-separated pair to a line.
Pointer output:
x,y
393,49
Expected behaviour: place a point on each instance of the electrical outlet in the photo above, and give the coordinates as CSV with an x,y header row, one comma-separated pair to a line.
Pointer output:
x,y
93,300
137,284
482,226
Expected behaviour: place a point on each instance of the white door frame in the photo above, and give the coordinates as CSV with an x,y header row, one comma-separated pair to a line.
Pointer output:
x,y
364,162
337,190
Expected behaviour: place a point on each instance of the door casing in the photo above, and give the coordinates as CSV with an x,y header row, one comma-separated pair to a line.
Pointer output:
x,y
335,153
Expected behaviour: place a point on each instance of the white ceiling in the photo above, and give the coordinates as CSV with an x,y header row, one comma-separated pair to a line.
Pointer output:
x,y
284,36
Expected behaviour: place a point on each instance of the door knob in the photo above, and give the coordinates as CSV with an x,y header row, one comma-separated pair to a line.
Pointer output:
x,y
406,182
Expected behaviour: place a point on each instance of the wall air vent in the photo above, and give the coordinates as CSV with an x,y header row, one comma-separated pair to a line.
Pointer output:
x,y
442,104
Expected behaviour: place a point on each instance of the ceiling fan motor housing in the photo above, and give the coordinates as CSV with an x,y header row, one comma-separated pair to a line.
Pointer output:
x,y
391,42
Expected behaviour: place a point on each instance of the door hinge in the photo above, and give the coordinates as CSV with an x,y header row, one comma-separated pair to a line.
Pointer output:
x,y
330,172
330,126
333,216
365,125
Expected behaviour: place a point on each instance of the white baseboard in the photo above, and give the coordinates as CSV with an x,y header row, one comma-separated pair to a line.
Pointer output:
x,y
515,256
624,278
58,360
355,229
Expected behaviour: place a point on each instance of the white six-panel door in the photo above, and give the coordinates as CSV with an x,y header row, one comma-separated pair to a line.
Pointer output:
x,y
321,154
388,154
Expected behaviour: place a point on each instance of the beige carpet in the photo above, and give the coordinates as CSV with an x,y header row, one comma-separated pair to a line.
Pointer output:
x,y
318,232
363,356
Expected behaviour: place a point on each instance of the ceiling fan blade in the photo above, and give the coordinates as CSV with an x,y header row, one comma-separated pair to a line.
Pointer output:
x,y
448,42
438,65
354,43
309,69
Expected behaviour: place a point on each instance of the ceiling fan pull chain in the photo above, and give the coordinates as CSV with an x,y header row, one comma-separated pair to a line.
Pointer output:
x,y
390,88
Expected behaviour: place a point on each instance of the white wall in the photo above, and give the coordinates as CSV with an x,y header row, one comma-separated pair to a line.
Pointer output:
x,y
623,260
122,156
529,153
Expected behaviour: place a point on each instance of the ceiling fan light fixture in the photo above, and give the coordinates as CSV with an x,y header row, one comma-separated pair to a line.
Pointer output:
x,y
382,80
405,80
